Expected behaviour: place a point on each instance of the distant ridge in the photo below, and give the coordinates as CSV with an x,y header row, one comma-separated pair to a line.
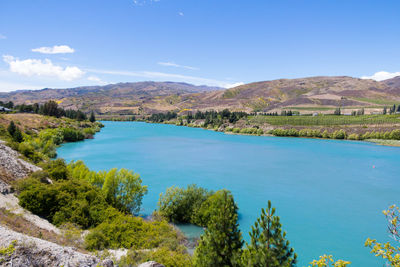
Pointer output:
x,y
312,93
147,88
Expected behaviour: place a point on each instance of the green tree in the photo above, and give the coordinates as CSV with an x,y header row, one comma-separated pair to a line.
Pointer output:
x,y
221,243
327,260
92,117
124,190
50,108
11,128
181,204
57,169
388,251
269,246
17,136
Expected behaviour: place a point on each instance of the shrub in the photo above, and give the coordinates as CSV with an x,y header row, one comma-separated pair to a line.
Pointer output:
x,y
72,135
395,135
353,137
162,255
340,134
57,169
64,201
178,204
131,232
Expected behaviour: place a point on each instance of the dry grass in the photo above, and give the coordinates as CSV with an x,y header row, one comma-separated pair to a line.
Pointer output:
x,y
20,224
29,121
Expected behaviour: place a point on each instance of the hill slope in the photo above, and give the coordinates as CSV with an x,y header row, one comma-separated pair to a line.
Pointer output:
x,y
313,93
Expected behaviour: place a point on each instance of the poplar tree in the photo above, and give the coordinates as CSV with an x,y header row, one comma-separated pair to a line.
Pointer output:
x,y
17,136
11,128
268,246
221,243
92,117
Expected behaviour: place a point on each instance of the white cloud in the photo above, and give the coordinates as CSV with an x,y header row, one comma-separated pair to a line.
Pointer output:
x,y
142,2
382,75
231,85
96,80
172,64
37,67
2,36
57,49
166,76
181,14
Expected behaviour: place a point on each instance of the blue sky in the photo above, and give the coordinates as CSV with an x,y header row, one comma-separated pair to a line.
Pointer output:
x,y
47,43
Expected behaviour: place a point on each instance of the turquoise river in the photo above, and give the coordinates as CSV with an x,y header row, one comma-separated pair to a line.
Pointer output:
x,y
329,194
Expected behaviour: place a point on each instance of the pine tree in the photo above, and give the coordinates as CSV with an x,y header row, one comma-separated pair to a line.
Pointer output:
x,y
17,136
11,128
393,109
92,117
268,246
221,243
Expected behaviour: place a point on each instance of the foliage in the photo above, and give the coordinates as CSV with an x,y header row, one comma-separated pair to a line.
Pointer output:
x,y
51,108
92,118
338,134
72,135
126,231
122,188
88,200
161,117
268,246
221,243
388,251
327,260
180,204
57,169
63,201
210,118
325,120
7,251
162,255
11,128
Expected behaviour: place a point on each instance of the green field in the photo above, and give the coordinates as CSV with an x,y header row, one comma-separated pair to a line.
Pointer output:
x,y
325,120
309,108
376,101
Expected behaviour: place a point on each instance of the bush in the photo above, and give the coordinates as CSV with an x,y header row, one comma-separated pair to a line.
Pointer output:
x,y
72,135
123,188
353,137
162,255
340,134
131,232
66,201
179,204
395,135
57,169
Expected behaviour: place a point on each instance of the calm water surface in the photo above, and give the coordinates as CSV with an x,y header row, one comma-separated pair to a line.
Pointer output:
x,y
329,194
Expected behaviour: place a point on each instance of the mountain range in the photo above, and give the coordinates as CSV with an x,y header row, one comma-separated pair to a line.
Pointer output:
x,y
314,93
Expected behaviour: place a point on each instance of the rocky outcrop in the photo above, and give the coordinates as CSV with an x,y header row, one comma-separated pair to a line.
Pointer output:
x,y
12,166
30,251
151,264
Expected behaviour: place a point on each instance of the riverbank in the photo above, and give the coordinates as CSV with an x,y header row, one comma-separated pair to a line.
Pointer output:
x,y
384,133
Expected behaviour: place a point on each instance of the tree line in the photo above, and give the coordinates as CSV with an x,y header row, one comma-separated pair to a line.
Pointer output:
x,y
51,108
